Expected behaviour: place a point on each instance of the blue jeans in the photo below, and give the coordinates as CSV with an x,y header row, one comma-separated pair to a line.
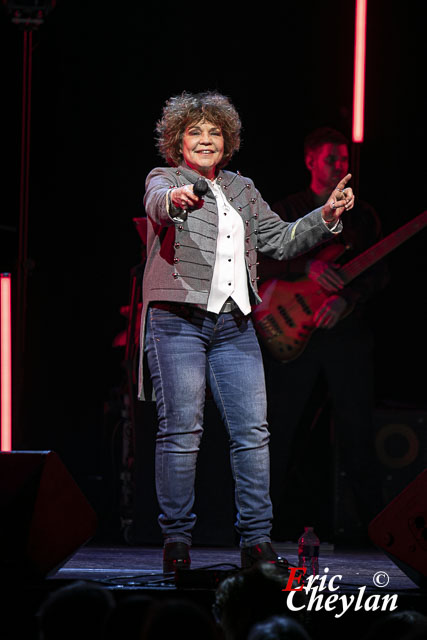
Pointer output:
x,y
188,347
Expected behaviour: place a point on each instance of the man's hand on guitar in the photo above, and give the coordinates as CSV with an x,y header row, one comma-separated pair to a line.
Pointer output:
x,y
324,274
330,312
340,200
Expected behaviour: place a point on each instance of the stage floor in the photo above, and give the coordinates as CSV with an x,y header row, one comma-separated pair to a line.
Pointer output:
x,y
142,566
364,574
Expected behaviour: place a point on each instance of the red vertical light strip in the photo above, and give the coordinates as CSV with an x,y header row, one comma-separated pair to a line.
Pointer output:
x,y
6,362
359,70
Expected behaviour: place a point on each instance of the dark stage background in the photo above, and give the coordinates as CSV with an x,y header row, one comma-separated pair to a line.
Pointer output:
x,y
102,71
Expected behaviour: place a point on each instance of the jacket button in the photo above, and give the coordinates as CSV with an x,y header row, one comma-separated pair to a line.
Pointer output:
x,y
180,228
175,275
177,245
176,260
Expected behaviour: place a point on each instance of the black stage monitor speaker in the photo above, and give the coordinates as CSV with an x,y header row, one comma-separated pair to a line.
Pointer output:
x,y
44,517
400,530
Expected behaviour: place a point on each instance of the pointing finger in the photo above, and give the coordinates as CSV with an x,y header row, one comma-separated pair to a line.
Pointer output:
x,y
341,184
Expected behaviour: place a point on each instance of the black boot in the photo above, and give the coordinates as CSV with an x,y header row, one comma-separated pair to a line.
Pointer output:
x,y
176,555
261,552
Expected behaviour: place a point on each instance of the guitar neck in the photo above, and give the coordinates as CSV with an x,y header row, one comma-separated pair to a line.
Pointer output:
x,y
382,248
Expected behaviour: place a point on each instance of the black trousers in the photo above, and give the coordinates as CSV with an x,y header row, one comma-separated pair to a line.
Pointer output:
x,y
340,360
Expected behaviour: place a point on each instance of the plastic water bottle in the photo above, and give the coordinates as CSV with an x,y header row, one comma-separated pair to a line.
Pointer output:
x,y
308,552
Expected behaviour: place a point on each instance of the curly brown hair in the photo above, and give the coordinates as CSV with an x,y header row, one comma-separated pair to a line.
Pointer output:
x,y
181,111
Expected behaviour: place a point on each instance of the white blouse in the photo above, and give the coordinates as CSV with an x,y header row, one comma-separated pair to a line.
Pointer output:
x,y
230,279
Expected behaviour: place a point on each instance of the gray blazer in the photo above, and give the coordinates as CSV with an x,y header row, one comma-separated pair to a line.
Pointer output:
x,y
181,249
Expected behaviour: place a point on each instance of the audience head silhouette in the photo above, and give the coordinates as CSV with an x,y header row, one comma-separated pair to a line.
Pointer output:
x,y
77,611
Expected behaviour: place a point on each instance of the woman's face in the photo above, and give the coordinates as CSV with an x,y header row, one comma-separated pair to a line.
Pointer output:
x,y
203,147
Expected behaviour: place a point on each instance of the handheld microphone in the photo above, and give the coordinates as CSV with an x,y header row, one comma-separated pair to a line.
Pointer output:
x,y
200,188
